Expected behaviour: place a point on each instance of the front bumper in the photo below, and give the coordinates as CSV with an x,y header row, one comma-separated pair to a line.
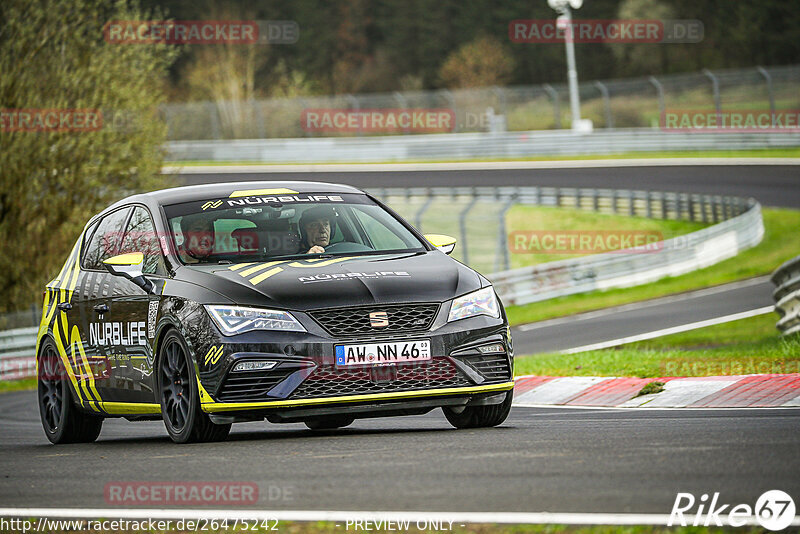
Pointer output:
x,y
306,381
357,403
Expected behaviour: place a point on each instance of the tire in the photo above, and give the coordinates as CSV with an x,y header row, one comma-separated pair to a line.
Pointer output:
x,y
183,418
480,416
329,423
62,420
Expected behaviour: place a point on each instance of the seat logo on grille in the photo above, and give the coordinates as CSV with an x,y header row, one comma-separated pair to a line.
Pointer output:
x,y
378,319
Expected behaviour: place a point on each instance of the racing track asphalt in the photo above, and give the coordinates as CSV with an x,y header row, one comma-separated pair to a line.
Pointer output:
x,y
772,185
642,317
541,459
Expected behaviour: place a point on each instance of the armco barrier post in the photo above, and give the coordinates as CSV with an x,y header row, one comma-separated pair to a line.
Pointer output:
x,y
355,105
715,88
452,101
606,103
787,296
401,100
768,79
502,242
556,104
660,89
462,225
422,210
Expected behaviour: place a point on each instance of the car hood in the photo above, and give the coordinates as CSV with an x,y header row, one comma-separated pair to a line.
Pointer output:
x,y
340,281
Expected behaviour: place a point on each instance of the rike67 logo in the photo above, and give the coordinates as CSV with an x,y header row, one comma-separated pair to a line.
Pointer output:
x,y
774,510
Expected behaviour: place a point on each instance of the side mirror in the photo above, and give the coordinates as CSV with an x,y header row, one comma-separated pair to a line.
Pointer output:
x,y
445,243
129,266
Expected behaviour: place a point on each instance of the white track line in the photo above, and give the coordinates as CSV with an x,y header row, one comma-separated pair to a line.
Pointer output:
x,y
473,165
672,330
457,518
645,303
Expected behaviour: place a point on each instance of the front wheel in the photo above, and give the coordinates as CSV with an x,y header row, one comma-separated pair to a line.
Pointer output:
x,y
180,401
480,416
62,420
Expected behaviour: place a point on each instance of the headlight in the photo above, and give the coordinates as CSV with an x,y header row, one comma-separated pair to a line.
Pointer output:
x,y
481,302
235,320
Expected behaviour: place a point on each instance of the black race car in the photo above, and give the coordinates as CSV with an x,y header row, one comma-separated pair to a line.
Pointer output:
x,y
292,302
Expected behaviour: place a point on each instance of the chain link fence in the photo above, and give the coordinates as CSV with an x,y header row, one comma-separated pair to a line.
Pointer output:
x,y
610,104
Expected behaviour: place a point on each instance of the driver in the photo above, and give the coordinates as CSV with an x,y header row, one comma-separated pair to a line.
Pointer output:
x,y
198,237
316,229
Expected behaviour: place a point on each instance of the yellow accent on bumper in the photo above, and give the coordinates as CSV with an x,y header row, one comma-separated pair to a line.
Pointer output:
x,y
130,408
212,407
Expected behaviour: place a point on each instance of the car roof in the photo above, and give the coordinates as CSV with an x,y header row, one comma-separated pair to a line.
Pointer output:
x,y
191,193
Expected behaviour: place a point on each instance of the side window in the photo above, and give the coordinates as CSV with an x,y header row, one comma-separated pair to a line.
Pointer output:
x,y
105,240
140,236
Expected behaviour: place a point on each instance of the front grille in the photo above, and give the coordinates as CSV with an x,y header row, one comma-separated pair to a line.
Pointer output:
x,y
331,382
491,366
352,322
250,386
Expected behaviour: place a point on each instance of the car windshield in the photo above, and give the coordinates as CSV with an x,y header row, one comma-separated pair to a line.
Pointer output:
x,y
263,227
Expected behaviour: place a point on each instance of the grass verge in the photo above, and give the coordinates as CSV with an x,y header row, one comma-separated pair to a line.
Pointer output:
x,y
763,153
748,346
552,223
781,242
17,385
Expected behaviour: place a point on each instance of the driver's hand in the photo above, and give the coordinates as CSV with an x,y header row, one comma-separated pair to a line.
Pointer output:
x,y
316,249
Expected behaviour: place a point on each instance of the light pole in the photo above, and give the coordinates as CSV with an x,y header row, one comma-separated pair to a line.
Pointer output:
x,y
565,22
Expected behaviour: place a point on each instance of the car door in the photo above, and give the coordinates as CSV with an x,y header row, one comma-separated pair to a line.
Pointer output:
x,y
90,302
133,314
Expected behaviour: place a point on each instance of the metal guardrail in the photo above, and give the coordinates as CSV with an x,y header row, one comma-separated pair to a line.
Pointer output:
x,y
787,296
409,148
737,226
17,353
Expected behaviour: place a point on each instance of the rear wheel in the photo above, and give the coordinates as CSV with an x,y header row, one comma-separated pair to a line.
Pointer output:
x,y
62,420
329,423
480,416
180,401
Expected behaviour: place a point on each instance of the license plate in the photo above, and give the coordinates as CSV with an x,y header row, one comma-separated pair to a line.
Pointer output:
x,y
372,353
